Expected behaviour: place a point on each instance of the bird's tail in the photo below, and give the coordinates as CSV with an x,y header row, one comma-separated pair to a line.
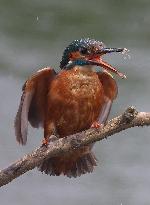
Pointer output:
x,y
69,166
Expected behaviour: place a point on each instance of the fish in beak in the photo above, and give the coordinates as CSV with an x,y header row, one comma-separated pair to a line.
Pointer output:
x,y
97,59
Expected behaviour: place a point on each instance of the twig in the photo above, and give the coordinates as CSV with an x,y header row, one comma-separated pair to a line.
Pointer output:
x,y
130,118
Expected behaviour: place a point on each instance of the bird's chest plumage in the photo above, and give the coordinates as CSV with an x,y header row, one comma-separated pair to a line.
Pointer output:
x,y
76,99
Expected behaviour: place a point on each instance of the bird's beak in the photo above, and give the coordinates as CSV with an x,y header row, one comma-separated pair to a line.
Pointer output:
x,y
104,64
110,50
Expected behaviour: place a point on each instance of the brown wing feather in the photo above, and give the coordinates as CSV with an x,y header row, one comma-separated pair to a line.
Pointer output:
x,y
21,120
18,121
32,103
110,93
105,111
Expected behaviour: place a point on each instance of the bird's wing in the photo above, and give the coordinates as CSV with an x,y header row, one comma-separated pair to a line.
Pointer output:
x,y
110,93
32,103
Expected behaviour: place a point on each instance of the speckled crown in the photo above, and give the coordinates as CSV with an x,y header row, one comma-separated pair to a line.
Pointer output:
x,y
76,45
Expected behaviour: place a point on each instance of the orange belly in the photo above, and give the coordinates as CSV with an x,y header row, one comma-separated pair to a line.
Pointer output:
x,y
74,102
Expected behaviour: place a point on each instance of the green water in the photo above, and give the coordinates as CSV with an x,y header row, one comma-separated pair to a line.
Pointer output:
x,y
33,34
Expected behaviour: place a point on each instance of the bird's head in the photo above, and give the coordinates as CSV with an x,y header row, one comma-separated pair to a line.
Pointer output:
x,y
89,52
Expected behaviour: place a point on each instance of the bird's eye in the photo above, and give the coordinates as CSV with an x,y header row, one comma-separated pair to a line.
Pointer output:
x,y
84,51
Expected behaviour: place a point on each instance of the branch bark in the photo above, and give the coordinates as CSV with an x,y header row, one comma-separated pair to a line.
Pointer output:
x,y
130,118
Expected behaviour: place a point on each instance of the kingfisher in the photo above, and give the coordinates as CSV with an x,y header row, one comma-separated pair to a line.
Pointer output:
x,y
69,101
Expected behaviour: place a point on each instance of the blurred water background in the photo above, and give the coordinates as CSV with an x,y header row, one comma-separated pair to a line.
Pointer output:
x,y
33,34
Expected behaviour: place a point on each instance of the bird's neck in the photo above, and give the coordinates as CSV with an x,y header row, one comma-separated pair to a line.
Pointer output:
x,y
84,68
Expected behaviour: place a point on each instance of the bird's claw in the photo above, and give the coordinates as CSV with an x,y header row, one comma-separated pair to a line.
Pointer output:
x,y
45,142
97,125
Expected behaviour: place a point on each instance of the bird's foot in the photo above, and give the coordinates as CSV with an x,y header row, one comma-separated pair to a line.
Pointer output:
x,y
97,125
45,142
52,138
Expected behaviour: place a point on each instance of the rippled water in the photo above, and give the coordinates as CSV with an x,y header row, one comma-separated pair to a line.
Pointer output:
x,y
33,34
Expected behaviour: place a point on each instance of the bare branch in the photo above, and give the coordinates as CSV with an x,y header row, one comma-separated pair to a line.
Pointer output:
x,y
130,118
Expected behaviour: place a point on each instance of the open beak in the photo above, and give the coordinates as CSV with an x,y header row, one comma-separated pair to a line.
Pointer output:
x,y
99,62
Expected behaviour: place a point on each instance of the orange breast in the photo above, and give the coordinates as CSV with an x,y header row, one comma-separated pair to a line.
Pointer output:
x,y
74,101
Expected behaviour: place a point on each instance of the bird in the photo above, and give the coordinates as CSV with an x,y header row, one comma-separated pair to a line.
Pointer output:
x,y
76,98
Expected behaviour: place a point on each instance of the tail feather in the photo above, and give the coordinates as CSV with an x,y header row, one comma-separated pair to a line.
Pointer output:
x,y
57,166
89,165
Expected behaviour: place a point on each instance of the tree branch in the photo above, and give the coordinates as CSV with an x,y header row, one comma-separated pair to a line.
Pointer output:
x,y
130,118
